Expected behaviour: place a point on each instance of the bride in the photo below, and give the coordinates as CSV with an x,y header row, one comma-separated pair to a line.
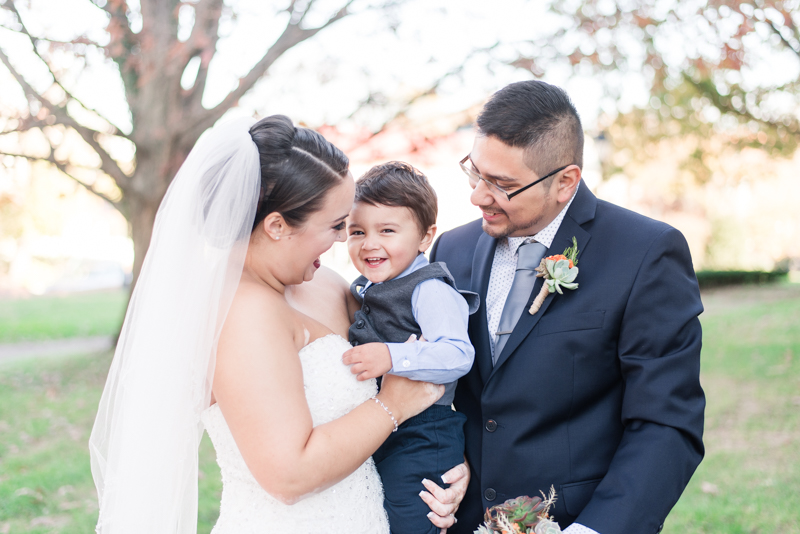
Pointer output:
x,y
210,341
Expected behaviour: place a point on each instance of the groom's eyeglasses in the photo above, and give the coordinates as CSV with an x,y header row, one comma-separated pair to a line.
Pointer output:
x,y
475,178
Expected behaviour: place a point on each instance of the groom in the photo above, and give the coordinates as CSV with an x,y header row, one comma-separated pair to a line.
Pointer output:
x,y
596,393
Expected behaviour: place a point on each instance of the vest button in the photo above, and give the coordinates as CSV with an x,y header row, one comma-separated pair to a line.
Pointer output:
x,y
489,494
366,309
491,425
360,323
354,343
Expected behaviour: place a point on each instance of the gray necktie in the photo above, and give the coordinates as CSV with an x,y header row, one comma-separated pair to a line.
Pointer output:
x,y
529,255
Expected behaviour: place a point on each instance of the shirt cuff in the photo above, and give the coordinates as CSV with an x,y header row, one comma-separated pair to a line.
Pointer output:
x,y
577,528
402,354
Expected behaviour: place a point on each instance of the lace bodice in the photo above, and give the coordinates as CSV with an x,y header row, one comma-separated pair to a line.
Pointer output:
x,y
354,505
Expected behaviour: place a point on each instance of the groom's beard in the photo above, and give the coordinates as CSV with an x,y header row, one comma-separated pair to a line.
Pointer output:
x,y
499,231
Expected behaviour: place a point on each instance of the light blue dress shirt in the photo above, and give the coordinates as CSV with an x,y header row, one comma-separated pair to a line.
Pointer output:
x,y
442,314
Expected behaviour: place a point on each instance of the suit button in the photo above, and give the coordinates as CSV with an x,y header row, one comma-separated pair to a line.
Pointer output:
x,y
360,323
490,494
491,425
660,528
354,343
366,309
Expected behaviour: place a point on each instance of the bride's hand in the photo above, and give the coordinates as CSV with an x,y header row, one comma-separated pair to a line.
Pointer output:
x,y
444,502
407,398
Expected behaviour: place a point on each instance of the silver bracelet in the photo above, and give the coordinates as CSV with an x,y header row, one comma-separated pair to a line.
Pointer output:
x,y
386,408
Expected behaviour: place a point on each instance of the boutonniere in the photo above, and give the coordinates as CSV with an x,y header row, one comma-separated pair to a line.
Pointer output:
x,y
558,271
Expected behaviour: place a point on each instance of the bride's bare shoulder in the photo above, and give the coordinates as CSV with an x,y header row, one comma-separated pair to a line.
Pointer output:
x,y
324,299
257,310
327,279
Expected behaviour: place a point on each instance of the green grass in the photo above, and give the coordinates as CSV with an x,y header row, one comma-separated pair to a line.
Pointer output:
x,y
47,409
39,318
748,483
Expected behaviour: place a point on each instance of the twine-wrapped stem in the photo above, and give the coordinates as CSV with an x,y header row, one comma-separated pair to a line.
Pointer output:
x,y
539,300
541,272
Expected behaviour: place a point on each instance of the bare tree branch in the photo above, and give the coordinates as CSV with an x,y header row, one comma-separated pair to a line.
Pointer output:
x,y
202,43
109,165
292,35
122,41
427,92
35,41
64,169
80,40
774,27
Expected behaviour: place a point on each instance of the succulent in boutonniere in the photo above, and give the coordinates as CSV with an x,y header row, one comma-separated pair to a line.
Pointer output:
x,y
559,272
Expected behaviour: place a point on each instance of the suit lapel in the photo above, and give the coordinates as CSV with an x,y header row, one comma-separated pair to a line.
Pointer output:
x,y
582,210
479,283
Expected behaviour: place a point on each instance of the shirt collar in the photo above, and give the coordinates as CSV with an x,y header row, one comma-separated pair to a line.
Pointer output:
x,y
547,234
419,262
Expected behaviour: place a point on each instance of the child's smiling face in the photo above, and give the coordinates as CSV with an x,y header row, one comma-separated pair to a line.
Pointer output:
x,y
384,240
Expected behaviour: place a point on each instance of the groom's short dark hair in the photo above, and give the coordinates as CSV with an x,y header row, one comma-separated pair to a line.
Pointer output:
x,y
538,117
398,184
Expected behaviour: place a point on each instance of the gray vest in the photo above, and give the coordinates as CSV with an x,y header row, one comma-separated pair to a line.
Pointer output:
x,y
386,315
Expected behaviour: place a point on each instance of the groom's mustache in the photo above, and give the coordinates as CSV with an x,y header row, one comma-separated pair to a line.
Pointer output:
x,y
493,209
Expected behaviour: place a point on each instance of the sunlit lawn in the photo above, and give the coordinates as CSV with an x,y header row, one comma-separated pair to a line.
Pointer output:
x,y
47,409
748,483
50,317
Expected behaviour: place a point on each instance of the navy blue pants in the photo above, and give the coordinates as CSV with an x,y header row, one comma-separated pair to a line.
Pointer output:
x,y
425,446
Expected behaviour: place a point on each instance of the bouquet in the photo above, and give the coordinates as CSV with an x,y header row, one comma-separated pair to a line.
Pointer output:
x,y
523,515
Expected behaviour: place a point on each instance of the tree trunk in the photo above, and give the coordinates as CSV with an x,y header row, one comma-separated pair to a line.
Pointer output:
x,y
142,216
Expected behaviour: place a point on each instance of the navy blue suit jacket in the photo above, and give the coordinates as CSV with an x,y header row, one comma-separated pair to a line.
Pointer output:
x,y
598,393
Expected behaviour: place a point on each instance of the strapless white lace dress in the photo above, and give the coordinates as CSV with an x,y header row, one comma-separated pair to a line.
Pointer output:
x,y
354,505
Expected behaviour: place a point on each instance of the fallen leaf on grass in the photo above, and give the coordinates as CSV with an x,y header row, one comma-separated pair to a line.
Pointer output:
x,y
65,490
50,521
708,487
27,492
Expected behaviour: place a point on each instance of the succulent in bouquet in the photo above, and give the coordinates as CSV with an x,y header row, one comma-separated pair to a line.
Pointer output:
x,y
522,515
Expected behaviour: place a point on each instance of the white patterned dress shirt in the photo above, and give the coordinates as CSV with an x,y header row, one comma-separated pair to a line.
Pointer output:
x,y
504,266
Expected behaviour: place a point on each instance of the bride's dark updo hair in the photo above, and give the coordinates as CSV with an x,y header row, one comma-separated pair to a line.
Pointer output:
x,y
298,168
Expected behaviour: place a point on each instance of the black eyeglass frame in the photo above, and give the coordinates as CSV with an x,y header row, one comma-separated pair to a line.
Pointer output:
x,y
470,173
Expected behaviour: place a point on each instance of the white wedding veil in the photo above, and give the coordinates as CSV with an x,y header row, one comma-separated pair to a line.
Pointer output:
x,y
144,444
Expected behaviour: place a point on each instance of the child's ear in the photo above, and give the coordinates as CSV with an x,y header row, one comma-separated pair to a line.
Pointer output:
x,y
427,239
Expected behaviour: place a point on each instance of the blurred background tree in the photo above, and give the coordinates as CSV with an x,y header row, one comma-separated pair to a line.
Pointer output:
x,y
162,50
710,68
718,77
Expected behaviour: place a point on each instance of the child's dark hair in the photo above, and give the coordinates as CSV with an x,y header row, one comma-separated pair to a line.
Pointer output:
x,y
399,184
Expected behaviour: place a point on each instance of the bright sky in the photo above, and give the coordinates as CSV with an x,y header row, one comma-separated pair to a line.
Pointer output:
x,y
324,79
397,53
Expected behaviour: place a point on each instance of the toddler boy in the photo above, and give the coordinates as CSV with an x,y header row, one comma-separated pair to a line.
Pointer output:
x,y
391,225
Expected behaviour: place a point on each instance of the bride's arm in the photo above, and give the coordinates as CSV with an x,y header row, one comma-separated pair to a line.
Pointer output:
x,y
258,384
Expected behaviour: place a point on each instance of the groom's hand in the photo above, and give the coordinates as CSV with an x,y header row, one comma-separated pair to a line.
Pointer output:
x,y
369,360
444,502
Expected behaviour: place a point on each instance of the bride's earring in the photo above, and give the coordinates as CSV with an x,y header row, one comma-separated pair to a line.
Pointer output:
x,y
274,226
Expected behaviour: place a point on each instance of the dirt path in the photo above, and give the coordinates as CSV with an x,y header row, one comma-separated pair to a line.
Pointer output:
x,y
728,298
55,347
715,301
